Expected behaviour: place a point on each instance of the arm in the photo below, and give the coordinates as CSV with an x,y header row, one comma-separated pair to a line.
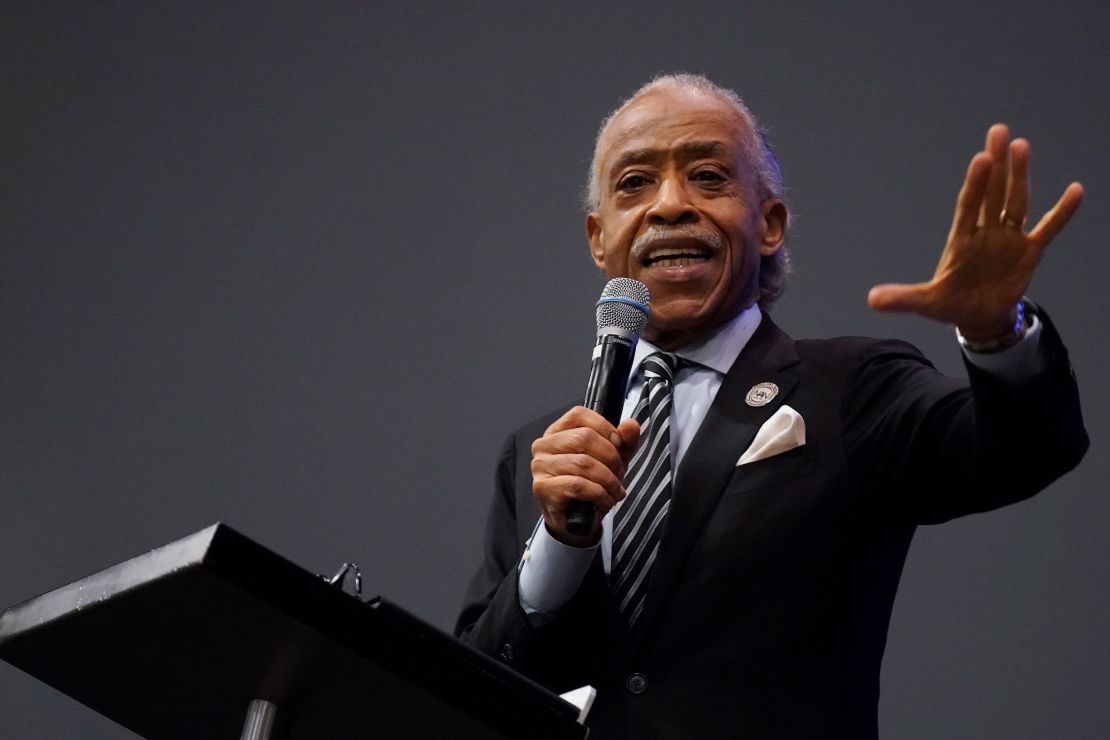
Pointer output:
x,y
931,448
493,619
963,450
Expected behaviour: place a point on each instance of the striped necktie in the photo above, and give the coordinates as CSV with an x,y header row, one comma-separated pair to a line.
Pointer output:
x,y
638,523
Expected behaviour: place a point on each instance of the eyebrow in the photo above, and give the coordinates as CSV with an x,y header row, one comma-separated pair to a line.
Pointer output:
x,y
690,150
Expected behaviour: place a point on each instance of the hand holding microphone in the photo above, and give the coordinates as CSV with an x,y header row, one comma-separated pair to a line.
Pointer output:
x,y
578,464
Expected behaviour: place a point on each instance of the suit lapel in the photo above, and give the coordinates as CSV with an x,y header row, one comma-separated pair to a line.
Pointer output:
x,y
728,429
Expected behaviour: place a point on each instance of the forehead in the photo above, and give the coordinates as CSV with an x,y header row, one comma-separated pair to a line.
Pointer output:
x,y
671,122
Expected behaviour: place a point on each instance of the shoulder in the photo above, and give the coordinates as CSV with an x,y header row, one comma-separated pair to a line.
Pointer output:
x,y
850,353
773,346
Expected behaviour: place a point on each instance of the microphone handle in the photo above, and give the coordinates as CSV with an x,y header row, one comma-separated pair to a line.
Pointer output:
x,y
605,391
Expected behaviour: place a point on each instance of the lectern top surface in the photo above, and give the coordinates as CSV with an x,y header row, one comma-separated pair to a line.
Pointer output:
x,y
174,644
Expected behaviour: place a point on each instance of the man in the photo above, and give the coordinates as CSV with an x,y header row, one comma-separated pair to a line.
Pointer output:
x,y
741,569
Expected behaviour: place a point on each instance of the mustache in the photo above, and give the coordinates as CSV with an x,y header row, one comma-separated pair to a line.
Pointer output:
x,y
689,232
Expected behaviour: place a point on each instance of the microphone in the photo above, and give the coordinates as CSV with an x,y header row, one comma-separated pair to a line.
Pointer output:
x,y
622,316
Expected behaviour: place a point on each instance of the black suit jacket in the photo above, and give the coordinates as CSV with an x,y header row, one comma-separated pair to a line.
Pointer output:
x,y
768,605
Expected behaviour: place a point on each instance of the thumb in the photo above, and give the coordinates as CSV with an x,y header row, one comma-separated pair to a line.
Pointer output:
x,y
898,297
629,430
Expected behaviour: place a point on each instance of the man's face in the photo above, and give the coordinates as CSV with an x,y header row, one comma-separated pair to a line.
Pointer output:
x,y
678,211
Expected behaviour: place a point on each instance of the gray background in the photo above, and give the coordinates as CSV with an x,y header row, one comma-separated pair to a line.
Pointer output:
x,y
301,267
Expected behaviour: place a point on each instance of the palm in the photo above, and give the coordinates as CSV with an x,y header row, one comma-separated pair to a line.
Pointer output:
x,y
989,259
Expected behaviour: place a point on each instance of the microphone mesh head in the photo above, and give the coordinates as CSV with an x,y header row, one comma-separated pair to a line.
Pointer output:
x,y
623,305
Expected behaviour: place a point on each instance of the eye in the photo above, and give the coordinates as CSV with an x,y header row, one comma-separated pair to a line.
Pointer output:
x,y
632,181
708,176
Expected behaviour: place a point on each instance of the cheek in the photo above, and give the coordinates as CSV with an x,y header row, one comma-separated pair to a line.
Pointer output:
x,y
745,273
618,251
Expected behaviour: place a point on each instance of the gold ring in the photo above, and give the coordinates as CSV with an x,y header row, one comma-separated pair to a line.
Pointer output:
x,y
1007,221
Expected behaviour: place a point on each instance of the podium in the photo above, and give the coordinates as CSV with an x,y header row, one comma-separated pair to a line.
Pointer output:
x,y
214,636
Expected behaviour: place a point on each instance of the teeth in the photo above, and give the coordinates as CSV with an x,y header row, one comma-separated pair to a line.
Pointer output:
x,y
659,254
682,261
674,257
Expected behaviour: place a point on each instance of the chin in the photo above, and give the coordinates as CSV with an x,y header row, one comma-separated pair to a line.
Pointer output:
x,y
684,314
669,330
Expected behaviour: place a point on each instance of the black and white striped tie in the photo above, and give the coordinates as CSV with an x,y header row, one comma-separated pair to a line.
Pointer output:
x,y
638,523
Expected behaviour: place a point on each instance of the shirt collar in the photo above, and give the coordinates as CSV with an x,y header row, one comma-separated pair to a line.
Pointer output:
x,y
718,350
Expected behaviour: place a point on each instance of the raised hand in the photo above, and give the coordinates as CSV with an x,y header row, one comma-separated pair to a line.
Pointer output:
x,y
989,259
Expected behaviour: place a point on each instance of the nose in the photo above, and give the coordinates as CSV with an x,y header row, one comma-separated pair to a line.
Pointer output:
x,y
671,204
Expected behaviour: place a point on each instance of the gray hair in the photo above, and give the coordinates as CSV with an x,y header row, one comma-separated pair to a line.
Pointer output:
x,y
773,270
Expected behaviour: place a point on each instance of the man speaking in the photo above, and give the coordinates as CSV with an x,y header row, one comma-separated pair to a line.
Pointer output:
x,y
754,506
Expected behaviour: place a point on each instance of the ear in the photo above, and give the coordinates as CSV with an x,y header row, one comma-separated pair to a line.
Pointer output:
x,y
772,226
596,238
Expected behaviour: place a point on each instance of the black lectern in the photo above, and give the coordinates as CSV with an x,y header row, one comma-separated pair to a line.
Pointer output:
x,y
214,636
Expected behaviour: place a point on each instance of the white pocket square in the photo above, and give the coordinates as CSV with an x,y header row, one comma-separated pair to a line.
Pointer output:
x,y
785,430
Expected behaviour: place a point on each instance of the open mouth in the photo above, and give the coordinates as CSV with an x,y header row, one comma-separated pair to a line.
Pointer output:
x,y
676,247
676,256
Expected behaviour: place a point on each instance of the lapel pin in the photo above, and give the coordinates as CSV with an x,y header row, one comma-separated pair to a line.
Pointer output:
x,y
761,394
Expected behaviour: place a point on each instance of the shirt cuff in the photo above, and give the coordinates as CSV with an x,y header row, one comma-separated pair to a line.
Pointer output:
x,y
1015,365
550,574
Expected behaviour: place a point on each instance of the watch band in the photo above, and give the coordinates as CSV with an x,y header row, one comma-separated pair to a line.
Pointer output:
x,y
998,344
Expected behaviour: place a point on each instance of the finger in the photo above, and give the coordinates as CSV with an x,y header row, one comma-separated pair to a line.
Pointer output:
x,y
899,298
629,430
580,416
579,466
1051,223
580,441
1017,193
998,138
970,199
554,493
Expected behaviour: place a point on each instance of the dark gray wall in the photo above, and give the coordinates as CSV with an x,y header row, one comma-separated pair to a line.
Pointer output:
x,y
300,267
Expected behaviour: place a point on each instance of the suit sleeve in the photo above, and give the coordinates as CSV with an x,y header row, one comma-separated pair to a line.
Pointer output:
x,y
492,620
932,448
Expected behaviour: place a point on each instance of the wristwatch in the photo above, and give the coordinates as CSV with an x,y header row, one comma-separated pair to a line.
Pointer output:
x,y
998,344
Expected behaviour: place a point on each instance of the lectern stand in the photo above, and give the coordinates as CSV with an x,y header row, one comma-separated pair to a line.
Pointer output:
x,y
215,636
